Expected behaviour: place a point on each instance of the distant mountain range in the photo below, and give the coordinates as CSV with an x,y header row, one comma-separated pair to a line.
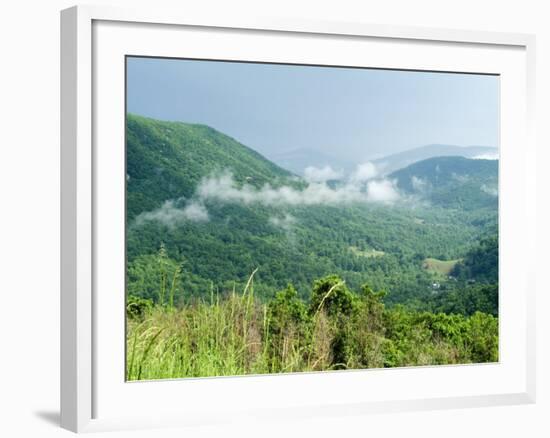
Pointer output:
x,y
298,159
403,159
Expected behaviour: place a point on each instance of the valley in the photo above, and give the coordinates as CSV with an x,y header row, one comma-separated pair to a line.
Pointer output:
x,y
219,227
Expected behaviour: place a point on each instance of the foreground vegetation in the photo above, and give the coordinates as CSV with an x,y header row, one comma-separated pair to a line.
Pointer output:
x,y
336,329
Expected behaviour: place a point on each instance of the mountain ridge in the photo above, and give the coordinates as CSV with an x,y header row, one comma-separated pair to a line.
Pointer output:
x,y
452,182
296,160
400,160
166,160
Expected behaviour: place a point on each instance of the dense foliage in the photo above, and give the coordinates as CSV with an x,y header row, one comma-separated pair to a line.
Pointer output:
x,y
337,329
481,263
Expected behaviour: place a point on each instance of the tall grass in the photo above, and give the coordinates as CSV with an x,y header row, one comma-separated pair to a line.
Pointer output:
x,y
238,334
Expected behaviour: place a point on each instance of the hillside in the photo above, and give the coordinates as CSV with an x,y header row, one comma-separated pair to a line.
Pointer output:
x,y
481,262
452,182
211,244
400,160
474,284
166,160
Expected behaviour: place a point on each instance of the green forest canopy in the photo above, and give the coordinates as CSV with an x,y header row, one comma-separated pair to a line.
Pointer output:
x,y
446,219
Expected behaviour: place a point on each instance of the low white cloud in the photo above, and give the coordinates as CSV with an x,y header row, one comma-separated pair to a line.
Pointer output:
x,y
490,190
224,188
285,223
460,178
195,212
418,184
171,214
364,172
382,191
321,174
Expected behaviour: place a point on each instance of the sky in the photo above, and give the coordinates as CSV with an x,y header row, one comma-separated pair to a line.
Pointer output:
x,y
359,114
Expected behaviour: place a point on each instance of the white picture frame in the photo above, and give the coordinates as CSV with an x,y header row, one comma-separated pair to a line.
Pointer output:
x,y
92,42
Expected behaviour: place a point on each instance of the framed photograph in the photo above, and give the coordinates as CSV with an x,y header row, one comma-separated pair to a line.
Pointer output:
x,y
266,218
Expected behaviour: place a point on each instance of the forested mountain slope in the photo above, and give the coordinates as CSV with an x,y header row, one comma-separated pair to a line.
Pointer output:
x,y
166,160
452,182
213,211
400,160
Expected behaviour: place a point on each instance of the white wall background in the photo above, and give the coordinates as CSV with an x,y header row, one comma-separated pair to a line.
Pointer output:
x,y
29,215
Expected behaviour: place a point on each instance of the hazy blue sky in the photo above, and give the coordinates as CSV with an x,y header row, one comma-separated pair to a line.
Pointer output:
x,y
356,113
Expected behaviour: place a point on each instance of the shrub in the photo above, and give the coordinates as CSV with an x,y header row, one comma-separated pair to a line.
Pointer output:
x,y
331,295
287,311
137,307
482,337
